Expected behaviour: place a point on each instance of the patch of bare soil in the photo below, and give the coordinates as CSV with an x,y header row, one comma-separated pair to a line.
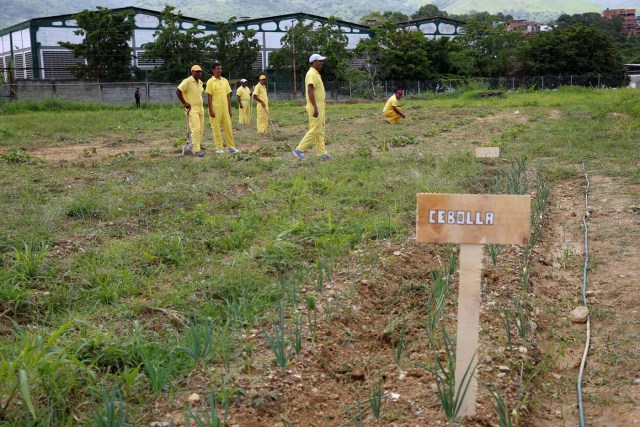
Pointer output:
x,y
382,289
611,392
97,150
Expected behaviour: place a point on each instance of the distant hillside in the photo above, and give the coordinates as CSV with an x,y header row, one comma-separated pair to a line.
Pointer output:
x,y
15,11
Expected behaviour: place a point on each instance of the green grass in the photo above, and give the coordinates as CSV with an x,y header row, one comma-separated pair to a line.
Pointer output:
x,y
120,252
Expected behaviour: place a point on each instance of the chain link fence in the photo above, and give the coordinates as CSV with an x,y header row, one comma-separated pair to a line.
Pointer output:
x,y
122,92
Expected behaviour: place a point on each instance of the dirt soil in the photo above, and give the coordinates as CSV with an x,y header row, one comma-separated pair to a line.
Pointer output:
x,y
380,289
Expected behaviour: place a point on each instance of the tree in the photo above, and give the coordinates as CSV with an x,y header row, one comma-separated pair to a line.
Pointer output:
x,y
105,47
375,17
174,50
398,54
302,40
235,50
429,10
492,48
577,49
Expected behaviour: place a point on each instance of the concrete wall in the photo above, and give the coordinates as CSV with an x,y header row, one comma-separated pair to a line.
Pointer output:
x,y
112,93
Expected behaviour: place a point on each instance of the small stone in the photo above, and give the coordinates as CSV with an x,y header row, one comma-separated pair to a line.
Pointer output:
x,y
558,413
636,381
533,325
159,424
556,376
402,375
501,375
523,350
397,253
517,112
579,314
488,359
556,264
394,396
503,368
194,398
314,390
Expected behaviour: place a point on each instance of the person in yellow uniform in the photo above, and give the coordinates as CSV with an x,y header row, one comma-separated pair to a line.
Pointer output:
x,y
219,99
262,106
315,95
243,93
189,92
392,111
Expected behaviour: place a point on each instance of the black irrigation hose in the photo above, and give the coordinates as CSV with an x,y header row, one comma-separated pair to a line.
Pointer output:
x,y
584,295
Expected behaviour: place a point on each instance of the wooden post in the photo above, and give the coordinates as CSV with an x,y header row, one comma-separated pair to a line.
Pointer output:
x,y
468,324
472,220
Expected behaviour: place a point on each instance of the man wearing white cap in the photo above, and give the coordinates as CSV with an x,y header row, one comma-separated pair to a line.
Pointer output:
x,y
262,104
315,110
243,93
189,92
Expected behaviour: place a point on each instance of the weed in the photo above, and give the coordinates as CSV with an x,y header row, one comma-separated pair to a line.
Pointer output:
x,y
157,372
397,346
297,337
375,397
277,341
29,262
83,208
312,315
210,419
199,340
500,406
494,251
112,413
451,398
15,155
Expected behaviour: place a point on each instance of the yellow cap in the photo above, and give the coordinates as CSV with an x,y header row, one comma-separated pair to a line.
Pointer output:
x,y
262,77
196,68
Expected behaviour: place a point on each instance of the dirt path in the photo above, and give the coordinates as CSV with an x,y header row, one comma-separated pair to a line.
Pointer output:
x,y
611,392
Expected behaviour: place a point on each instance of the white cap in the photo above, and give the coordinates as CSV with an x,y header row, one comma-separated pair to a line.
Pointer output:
x,y
316,57
243,80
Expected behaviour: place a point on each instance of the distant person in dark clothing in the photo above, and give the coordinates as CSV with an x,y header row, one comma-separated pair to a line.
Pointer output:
x,y
138,95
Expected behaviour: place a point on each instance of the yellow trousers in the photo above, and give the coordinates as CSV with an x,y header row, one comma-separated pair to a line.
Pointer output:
x,y
196,124
315,135
263,119
392,116
221,121
244,116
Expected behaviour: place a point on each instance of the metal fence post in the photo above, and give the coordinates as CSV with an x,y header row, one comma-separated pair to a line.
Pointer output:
x,y
542,82
349,89
598,80
418,87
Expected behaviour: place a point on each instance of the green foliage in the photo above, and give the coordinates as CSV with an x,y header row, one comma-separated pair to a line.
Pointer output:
x,y
15,155
237,51
178,49
302,39
105,45
576,49
112,413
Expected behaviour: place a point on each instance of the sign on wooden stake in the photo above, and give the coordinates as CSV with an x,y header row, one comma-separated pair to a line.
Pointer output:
x,y
487,151
472,220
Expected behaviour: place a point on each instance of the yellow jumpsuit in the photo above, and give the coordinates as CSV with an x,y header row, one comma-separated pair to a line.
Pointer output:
x,y
315,135
262,112
389,113
219,90
192,93
244,93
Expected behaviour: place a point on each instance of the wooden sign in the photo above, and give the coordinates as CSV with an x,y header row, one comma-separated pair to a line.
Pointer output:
x,y
471,220
487,151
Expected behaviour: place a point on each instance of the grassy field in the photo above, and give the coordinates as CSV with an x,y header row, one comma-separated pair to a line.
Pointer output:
x,y
126,269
